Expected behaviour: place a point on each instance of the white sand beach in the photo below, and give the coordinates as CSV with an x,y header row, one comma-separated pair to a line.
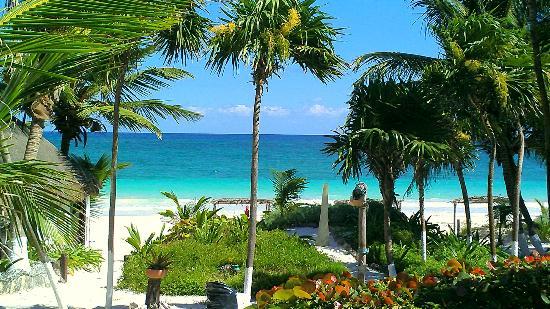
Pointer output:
x,y
87,290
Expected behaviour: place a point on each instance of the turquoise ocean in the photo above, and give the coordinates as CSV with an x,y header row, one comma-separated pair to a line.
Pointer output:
x,y
193,165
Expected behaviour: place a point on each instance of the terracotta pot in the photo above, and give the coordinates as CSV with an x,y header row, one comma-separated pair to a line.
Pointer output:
x,y
156,273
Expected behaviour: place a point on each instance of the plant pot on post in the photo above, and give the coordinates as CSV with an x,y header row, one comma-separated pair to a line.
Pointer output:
x,y
157,270
358,199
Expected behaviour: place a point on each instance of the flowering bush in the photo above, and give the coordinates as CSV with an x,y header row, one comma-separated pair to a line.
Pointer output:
x,y
333,291
512,283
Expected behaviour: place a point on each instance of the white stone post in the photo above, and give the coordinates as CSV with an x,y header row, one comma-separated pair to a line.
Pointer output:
x,y
323,230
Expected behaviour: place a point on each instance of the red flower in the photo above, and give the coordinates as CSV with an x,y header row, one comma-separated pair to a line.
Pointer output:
x,y
477,271
529,259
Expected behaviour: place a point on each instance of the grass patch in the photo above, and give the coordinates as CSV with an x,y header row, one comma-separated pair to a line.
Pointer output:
x,y
278,256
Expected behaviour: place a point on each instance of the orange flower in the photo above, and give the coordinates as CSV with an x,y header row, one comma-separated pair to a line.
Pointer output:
x,y
330,279
346,274
388,301
342,290
321,296
477,271
429,281
412,284
545,258
529,259
366,299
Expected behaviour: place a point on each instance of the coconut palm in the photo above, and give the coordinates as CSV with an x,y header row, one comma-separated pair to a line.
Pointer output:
x,y
383,136
267,35
535,30
85,105
475,74
92,31
287,187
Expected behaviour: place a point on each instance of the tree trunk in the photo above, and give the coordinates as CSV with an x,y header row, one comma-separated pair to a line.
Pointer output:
x,y
420,184
41,111
35,137
259,82
460,173
490,210
388,195
6,156
517,191
112,199
65,144
43,259
537,66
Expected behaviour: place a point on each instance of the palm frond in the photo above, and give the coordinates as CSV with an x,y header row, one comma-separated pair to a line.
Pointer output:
x,y
394,65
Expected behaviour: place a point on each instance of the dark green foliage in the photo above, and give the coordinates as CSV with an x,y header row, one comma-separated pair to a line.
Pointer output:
x,y
343,223
278,257
505,287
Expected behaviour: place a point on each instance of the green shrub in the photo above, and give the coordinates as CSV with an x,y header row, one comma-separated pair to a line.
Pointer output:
x,y
278,256
343,223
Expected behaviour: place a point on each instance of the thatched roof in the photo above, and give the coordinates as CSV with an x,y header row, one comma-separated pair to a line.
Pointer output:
x,y
48,153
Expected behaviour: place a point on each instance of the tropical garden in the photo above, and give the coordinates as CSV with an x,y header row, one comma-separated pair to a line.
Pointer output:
x,y
80,67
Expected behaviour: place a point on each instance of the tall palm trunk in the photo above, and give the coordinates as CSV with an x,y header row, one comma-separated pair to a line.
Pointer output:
x,y
36,131
6,156
112,198
259,83
388,196
509,169
537,66
41,111
421,191
460,174
517,191
65,144
490,210
43,259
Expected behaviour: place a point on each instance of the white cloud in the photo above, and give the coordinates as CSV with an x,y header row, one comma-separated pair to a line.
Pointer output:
x,y
199,109
240,109
276,111
322,110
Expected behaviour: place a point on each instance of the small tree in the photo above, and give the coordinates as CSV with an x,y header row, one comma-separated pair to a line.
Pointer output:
x,y
287,187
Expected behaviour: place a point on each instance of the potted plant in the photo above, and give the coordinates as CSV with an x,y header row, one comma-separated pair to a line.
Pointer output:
x,y
158,265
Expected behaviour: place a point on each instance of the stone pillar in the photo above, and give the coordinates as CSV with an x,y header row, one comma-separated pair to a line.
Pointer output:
x,y
323,231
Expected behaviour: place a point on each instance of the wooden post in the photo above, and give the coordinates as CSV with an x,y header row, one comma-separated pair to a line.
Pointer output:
x,y
63,267
454,218
362,250
87,229
457,227
152,298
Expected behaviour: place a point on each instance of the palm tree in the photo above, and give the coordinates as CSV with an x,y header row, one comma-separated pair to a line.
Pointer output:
x,y
267,35
474,74
86,104
287,187
27,30
383,135
534,31
182,38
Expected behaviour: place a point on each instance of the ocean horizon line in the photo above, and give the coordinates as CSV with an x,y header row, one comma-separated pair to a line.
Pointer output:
x,y
198,133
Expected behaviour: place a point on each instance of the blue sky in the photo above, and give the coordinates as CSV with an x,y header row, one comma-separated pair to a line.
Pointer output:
x,y
297,103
